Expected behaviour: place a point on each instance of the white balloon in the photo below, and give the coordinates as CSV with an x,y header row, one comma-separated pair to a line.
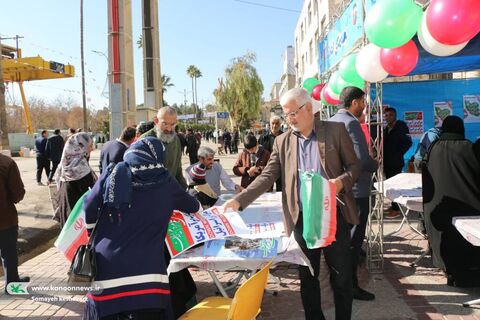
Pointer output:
x,y
368,64
433,46
331,93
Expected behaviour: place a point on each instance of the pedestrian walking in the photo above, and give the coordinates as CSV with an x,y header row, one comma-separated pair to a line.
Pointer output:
x,y
53,151
42,160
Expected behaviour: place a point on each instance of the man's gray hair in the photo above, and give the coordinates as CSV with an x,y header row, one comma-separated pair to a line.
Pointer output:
x,y
166,110
205,152
299,95
275,118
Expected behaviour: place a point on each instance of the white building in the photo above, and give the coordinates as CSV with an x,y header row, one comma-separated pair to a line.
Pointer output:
x,y
288,75
313,20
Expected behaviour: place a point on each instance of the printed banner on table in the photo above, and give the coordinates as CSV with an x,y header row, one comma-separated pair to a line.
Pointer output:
x,y
242,248
186,230
441,110
471,108
414,121
74,232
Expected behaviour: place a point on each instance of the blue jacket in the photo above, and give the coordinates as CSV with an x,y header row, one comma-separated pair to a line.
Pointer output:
x,y
112,152
40,144
129,247
362,187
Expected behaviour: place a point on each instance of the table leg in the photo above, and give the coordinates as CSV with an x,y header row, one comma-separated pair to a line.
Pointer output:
x,y
218,284
420,257
471,303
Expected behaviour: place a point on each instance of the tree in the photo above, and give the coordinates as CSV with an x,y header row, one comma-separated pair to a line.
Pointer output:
x,y
240,93
166,83
194,73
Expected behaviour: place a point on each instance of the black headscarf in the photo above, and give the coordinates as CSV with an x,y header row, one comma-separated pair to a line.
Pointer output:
x,y
453,124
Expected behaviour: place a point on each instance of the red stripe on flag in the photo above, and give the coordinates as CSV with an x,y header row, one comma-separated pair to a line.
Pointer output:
x,y
81,239
178,217
127,294
227,224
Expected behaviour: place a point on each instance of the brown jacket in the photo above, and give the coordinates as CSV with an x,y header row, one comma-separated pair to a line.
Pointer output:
x,y
338,156
11,192
243,164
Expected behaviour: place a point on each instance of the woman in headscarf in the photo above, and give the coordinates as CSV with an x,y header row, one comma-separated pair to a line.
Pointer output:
x,y
135,201
74,175
451,188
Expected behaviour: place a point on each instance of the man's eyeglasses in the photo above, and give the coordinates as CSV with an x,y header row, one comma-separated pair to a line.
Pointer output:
x,y
293,114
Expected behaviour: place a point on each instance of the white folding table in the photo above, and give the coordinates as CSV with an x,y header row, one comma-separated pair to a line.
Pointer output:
x,y
469,228
265,217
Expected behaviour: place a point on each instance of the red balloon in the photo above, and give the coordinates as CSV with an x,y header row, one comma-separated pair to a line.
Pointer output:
x,y
316,91
453,21
328,97
400,61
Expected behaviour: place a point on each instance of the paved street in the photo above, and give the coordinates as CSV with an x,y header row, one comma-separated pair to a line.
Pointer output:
x,y
401,292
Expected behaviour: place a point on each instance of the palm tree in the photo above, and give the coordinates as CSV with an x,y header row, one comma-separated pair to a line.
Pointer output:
x,y
194,73
166,83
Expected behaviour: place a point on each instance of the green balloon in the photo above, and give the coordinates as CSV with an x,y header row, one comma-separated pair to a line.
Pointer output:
x,y
392,23
310,83
337,83
348,71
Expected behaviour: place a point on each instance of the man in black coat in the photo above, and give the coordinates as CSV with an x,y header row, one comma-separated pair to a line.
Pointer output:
x,y
42,161
268,139
396,142
112,151
192,146
53,150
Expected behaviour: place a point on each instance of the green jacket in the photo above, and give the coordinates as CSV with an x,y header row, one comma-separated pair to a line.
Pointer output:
x,y
173,157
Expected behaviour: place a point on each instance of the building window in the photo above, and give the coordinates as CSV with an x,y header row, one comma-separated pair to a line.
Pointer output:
x,y
301,32
311,51
316,41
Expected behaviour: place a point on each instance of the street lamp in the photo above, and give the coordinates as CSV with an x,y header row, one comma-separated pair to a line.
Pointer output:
x,y
104,92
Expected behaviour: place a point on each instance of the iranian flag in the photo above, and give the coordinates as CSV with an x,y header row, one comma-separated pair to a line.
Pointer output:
x,y
319,210
74,232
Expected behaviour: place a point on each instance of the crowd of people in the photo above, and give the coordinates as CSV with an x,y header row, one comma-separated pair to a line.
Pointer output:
x,y
142,181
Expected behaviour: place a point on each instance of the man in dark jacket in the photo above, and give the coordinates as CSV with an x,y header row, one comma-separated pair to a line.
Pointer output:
x,y
353,104
396,142
112,151
11,192
53,150
192,146
42,161
267,142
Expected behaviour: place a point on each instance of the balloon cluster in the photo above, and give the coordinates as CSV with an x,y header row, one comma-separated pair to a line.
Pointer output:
x,y
443,29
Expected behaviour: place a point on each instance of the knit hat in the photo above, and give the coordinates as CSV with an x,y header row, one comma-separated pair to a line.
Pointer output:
x,y
197,173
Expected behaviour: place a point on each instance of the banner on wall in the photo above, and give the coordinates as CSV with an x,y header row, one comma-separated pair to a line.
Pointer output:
x,y
342,36
471,108
414,121
441,110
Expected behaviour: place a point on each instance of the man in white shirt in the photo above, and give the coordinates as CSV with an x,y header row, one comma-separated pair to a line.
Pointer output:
x,y
215,172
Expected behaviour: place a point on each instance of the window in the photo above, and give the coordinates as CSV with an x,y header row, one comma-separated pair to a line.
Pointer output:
x,y
301,32
311,51
309,14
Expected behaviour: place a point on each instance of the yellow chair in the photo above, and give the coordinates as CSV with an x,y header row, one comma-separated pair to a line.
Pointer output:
x,y
245,305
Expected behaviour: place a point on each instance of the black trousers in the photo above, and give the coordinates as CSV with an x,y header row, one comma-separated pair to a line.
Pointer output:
x,y
228,147
358,236
390,172
193,156
42,163
8,252
140,315
54,168
338,258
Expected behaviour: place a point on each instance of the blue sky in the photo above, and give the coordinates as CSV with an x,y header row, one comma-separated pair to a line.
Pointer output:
x,y
205,33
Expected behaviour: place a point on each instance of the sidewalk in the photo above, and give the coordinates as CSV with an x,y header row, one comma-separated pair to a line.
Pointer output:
x,y
402,292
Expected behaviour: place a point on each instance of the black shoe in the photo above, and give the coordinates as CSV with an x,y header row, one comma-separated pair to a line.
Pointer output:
x,y
360,294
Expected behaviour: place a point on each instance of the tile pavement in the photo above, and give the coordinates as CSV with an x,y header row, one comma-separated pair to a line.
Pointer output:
x,y
401,292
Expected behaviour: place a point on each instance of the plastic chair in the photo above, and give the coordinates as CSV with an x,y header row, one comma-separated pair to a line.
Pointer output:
x,y
245,305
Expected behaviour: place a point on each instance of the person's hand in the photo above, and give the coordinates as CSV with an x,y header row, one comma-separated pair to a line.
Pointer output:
x,y
231,204
238,188
338,185
252,171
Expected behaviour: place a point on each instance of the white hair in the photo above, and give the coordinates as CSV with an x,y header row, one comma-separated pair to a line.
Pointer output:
x,y
205,152
299,95
166,110
275,118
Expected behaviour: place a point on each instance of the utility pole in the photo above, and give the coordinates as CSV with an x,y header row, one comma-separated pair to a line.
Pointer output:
x,y
84,97
3,112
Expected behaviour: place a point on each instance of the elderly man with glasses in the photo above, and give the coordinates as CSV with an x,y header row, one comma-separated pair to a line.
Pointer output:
x,y
325,148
